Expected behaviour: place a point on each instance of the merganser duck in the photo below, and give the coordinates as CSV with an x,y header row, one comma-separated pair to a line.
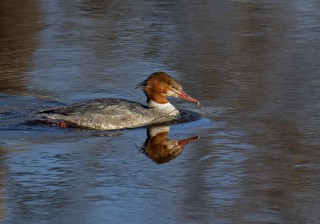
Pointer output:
x,y
111,114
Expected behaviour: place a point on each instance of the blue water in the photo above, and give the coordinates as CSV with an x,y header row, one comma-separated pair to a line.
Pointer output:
x,y
253,66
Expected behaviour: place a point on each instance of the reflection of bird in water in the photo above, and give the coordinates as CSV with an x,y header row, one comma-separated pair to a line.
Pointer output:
x,y
111,114
159,148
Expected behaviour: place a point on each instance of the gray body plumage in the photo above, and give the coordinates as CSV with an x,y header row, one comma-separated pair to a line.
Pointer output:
x,y
110,114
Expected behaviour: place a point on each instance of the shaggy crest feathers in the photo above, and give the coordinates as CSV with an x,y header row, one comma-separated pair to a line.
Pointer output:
x,y
158,75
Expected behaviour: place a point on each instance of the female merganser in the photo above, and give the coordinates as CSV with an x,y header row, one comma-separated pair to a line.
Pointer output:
x,y
110,114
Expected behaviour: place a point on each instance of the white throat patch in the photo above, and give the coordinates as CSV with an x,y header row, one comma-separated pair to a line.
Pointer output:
x,y
165,107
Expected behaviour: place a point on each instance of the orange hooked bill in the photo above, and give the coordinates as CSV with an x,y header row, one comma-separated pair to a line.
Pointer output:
x,y
185,96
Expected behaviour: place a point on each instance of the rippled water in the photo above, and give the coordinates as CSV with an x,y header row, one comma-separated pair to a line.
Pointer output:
x,y
254,66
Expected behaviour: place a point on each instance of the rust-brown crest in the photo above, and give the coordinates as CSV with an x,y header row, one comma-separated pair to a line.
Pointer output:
x,y
156,86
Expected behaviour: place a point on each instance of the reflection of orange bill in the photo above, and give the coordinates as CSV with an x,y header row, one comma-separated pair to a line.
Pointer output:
x,y
186,141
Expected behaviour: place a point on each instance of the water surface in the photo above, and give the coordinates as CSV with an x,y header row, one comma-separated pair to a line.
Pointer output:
x,y
254,66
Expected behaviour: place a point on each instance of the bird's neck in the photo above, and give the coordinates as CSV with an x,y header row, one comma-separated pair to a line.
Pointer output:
x,y
156,97
163,107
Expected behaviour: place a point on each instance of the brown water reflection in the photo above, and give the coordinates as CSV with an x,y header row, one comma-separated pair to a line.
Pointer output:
x,y
161,149
19,25
254,66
